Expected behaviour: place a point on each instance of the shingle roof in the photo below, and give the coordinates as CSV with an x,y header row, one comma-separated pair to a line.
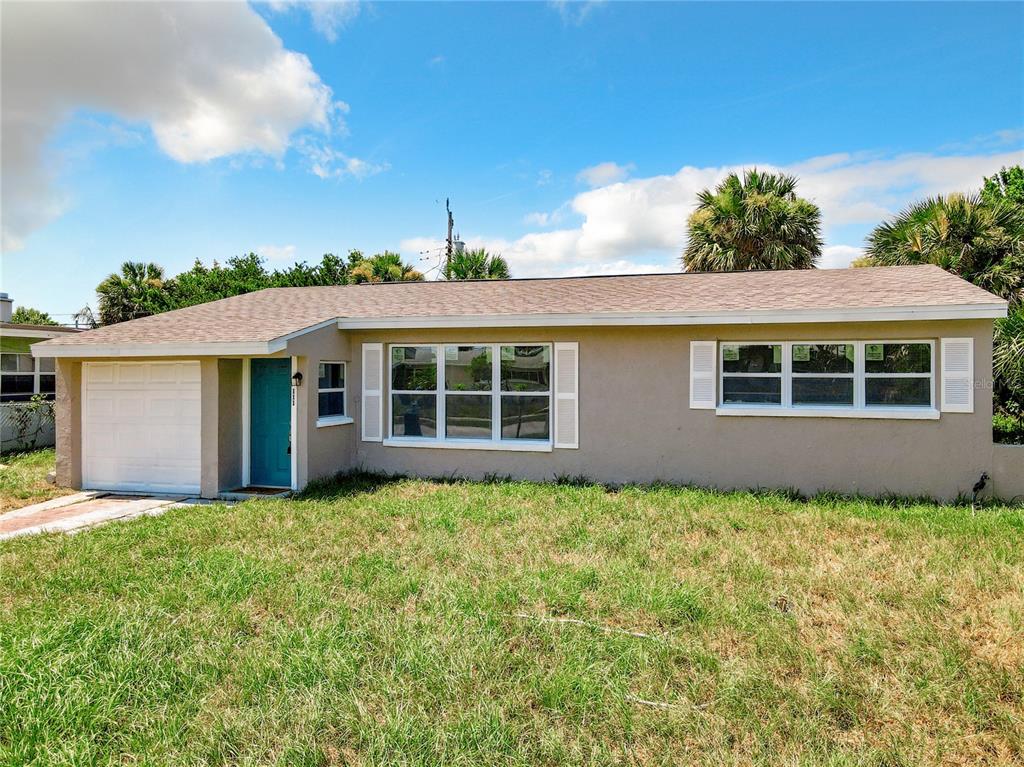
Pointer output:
x,y
270,314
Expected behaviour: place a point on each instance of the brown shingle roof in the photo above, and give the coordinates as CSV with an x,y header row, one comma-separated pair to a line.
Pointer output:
x,y
272,313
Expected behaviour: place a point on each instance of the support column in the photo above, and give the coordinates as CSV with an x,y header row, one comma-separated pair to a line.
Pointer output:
x,y
209,478
68,422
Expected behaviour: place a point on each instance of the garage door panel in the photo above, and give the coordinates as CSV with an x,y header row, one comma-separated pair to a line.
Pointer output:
x,y
142,427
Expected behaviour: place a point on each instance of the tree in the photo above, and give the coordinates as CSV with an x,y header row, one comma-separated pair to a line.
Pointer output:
x,y
476,265
137,291
1005,186
964,234
384,267
1008,357
84,316
753,223
26,315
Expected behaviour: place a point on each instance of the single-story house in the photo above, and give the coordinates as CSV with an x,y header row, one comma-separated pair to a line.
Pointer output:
x,y
866,381
22,377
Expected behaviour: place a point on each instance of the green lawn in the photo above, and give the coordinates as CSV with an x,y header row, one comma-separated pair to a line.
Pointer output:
x,y
375,622
23,479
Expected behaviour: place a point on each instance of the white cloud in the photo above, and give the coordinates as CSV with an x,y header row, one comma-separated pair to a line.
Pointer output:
x,y
604,173
328,17
640,224
209,79
839,256
544,177
574,12
277,252
327,162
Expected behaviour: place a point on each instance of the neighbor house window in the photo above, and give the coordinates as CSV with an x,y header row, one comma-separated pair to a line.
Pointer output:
x,y
897,374
861,375
752,374
21,376
331,390
471,392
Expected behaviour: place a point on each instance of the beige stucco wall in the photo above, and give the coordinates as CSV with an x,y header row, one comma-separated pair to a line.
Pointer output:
x,y
229,424
636,424
328,449
68,422
1008,472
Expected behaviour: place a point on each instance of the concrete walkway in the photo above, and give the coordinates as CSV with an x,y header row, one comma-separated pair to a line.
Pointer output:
x,y
71,513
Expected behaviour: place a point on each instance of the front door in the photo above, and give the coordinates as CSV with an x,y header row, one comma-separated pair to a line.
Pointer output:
x,y
271,423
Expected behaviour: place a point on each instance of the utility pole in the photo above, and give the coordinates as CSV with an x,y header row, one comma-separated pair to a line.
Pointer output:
x,y
449,247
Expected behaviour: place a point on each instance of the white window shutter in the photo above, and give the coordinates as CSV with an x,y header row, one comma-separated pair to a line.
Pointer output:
x,y
567,400
702,375
373,393
958,375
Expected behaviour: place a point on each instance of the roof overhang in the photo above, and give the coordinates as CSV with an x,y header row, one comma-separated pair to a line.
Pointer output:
x,y
771,317
41,332
249,349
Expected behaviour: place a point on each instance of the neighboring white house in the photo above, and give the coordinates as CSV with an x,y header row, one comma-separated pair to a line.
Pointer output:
x,y
22,376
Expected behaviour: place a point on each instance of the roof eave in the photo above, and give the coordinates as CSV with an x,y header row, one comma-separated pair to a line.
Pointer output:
x,y
757,317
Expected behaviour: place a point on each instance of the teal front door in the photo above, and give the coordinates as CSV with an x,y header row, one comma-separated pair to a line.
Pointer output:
x,y
270,426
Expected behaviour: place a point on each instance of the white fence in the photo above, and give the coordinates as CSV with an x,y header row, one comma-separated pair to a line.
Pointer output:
x,y
25,426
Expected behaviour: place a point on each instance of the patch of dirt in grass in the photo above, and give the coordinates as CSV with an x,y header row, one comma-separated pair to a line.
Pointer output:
x,y
23,479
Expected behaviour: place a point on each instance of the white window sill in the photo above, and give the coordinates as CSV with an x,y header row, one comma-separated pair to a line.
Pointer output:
x,y
519,446
906,413
334,420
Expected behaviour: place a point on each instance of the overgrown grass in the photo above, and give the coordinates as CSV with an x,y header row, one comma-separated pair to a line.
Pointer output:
x,y
375,622
23,479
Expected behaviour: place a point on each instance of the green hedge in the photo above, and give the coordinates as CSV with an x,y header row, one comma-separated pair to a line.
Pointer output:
x,y
1008,429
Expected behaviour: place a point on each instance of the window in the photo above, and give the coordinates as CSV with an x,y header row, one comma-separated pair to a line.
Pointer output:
x,y
461,393
414,391
898,374
21,376
823,374
854,376
331,390
752,374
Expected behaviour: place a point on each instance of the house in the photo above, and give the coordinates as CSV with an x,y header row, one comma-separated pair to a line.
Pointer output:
x,y
859,380
22,377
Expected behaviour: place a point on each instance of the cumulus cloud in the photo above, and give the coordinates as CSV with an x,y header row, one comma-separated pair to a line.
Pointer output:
x,y
640,224
277,252
604,173
208,79
327,162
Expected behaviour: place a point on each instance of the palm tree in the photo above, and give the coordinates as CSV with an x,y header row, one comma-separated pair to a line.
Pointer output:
x,y
384,267
753,223
476,265
964,234
137,291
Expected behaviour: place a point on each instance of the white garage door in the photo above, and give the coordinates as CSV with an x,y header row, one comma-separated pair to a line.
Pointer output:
x,y
141,426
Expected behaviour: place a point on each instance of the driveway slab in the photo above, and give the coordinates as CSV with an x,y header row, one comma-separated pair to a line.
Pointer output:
x,y
81,510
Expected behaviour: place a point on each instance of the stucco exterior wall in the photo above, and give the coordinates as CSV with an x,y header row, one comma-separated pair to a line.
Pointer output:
x,y
327,449
68,416
229,424
1008,472
636,424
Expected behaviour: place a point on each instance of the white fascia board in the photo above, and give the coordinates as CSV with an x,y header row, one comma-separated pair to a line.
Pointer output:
x,y
41,333
220,349
883,314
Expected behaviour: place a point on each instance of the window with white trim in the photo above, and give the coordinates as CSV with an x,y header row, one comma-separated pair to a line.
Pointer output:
x,y
331,390
471,392
22,376
840,375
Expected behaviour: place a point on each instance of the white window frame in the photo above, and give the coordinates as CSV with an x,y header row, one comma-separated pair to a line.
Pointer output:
x,y
859,409
496,394
333,420
36,374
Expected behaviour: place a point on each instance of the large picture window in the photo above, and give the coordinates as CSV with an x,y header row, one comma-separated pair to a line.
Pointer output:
x,y
22,376
853,375
462,393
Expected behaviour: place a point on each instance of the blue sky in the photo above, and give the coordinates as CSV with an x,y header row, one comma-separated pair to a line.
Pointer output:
x,y
571,137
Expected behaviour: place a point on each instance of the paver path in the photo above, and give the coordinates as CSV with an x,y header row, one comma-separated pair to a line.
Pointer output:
x,y
74,512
